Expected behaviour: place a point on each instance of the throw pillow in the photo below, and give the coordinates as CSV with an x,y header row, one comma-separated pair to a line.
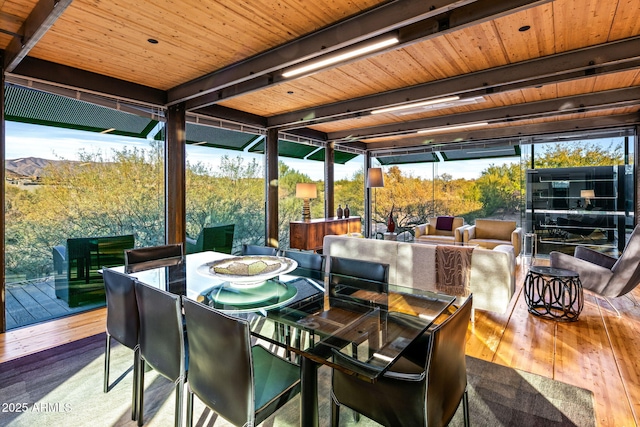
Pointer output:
x,y
444,223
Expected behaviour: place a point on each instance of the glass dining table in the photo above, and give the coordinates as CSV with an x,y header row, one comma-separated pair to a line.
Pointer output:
x,y
311,316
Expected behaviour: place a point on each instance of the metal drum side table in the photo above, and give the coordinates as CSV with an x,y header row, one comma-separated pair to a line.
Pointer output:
x,y
553,293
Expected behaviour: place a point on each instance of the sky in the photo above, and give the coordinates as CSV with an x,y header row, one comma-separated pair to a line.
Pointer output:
x,y
25,140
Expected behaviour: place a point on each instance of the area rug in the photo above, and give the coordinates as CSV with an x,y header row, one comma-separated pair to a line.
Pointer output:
x,y
63,386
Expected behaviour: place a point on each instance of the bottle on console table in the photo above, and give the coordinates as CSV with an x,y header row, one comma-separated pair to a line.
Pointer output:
x,y
346,211
339,213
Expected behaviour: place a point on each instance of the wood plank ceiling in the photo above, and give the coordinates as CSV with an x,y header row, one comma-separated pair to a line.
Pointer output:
x,y
523,67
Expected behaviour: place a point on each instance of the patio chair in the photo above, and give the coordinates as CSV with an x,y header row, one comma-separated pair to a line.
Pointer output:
x,y
601,274
217,238
77,264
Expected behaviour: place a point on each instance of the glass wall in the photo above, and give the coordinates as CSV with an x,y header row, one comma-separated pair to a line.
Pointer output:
x,y
74,201
224,188
476,188
580,193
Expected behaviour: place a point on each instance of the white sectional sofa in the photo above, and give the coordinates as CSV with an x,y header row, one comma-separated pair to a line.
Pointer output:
x,y
492,278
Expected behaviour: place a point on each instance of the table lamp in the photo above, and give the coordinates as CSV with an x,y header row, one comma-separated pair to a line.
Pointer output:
x,y
306,191
587,195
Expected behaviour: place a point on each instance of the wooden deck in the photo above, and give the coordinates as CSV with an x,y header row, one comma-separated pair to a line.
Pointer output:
x,y
35,301
599,352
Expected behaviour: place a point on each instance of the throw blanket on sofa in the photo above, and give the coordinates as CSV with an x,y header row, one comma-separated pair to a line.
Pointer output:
x,y
453,269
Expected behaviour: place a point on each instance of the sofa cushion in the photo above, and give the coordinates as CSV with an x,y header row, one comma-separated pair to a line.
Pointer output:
x,y
494,229
444,223
438,229
436,238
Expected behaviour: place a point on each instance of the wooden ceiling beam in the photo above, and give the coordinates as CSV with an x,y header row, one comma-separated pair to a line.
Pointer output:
x,y
42,17
478,137
602,59
232,115
412,20
86,81
551,107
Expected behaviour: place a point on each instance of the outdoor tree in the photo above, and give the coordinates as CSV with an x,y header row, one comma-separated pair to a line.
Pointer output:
x,y
578,153
500,188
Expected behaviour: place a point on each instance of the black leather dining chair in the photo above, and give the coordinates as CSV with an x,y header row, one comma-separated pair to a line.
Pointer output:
x,y
347,275
310,264
163,343
153,257
259,250
122,325
244,384
425,390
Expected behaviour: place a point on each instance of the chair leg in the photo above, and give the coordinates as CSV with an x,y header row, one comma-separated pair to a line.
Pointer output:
x,y
612,306
189,407
179,399
465,408
107,360
335,413
140,391
134,391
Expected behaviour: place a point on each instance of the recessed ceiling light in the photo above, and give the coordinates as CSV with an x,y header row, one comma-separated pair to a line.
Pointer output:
x,y
152,41
524,28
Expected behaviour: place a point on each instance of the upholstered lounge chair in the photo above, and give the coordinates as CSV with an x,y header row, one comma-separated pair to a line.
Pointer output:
x,y
489,233
442,229
604,275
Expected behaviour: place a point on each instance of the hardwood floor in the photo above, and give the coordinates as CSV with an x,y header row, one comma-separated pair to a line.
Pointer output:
x,y
599,352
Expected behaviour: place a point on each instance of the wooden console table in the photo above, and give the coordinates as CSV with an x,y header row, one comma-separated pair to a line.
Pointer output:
x,y
308,235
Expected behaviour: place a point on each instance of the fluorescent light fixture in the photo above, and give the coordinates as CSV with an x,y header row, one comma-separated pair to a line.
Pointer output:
x,y
341,57
416,104
499,150
455,127
108,130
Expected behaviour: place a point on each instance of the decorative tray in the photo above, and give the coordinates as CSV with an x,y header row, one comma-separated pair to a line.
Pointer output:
x,y
250,270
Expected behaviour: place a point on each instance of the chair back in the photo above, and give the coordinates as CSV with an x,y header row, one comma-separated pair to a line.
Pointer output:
x,y
367,275
446,366
153,257
347,276
122,309
626,271
220,362
309,264
162,340
218,238
259,250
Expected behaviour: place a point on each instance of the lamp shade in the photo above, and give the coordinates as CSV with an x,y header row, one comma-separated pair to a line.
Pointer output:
x,y
587,194
306,190
375,178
